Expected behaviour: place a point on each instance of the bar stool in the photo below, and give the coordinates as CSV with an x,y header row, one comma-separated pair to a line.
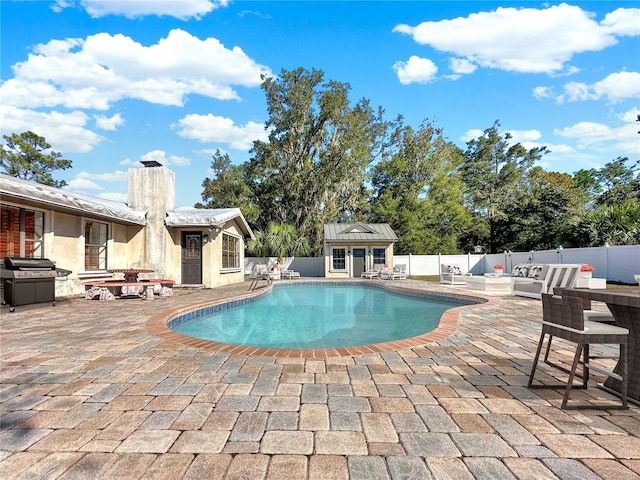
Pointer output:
x,y
563,317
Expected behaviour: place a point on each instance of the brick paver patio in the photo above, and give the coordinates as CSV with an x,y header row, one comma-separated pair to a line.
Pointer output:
x,y
88,392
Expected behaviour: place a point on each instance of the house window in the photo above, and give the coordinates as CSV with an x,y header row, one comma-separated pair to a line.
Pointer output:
x,y
379,256
339,259
22,232
95,246
230,251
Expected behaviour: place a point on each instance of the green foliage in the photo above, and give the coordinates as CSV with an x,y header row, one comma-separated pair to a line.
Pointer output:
x,y
418,191
279,240
228,188
494,172
619,182
617,224
328,160
313,168
539,215
24,157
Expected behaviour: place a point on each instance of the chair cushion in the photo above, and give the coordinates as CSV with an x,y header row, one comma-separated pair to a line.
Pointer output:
x,y
598,316
599,328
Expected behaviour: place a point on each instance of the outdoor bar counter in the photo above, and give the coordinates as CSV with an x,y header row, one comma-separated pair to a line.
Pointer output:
x,y
625,307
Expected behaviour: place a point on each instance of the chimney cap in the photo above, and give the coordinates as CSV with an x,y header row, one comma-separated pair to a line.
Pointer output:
x,y
150,163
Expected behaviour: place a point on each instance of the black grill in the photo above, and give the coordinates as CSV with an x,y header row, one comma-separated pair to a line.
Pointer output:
x,y
29,280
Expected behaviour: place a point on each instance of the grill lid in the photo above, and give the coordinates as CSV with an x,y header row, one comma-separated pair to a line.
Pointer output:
x,y
15,263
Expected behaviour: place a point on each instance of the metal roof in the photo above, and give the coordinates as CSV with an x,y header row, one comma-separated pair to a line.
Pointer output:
x,y
206,217
44,196
362,232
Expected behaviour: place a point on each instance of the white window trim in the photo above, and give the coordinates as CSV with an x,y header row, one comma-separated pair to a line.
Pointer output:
x,y
110,246
346,259
45,215
239,267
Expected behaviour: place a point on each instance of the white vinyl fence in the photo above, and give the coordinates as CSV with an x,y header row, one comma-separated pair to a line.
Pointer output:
x,y
615,263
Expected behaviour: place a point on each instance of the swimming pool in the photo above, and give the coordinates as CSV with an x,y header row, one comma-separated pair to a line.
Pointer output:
x,y
313,316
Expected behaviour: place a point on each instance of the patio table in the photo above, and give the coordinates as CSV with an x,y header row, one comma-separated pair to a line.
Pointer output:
x,y
130,274
489,282
625,307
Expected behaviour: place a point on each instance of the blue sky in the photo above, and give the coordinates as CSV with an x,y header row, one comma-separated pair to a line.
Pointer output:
x,y
111,82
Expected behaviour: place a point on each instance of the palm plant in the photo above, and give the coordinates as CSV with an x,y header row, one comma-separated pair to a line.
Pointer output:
x,y
278,240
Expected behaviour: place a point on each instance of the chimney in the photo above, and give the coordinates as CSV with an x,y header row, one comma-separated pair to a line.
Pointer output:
x,y
152,189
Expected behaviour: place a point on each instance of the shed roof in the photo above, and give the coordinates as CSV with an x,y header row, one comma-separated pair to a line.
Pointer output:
x,y
364,232
44,196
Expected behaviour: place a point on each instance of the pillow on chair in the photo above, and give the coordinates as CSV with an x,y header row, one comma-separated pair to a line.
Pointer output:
x,y
455,269
534,271
519,271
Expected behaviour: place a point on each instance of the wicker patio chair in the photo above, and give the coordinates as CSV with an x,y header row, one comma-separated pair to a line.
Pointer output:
x,y
563,317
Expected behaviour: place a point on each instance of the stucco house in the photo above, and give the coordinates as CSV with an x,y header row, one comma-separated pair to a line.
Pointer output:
x,y
350,249
90,235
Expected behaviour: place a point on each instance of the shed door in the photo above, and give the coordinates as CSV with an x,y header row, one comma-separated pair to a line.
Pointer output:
x,y
191,258
359,258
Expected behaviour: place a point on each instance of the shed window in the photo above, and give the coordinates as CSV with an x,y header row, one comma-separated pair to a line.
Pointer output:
x,y
379,256
339,258
230,251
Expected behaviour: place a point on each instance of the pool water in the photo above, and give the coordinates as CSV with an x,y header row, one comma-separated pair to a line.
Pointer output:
x,y
315,316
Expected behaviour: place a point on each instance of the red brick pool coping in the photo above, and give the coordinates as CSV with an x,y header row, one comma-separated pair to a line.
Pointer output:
x,y
157,325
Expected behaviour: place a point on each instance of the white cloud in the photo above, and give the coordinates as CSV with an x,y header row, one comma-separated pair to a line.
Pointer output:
x,y
64,131
115,196
101,69
108,123
543,92
462,65
117,176
615,87
85,182
523,136
211,128
182,9
525,39
471,134
614,141
623,21
82,184
161,157
415,70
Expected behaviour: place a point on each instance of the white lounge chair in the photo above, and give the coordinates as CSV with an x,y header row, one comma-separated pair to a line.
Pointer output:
x,y
260,272
400,272
452,275
290,274
371,274
397,273
551,276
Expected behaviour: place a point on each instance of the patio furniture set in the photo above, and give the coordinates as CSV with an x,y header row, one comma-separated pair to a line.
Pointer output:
x,y
131,286
567,314
525,280
261,272
398,272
